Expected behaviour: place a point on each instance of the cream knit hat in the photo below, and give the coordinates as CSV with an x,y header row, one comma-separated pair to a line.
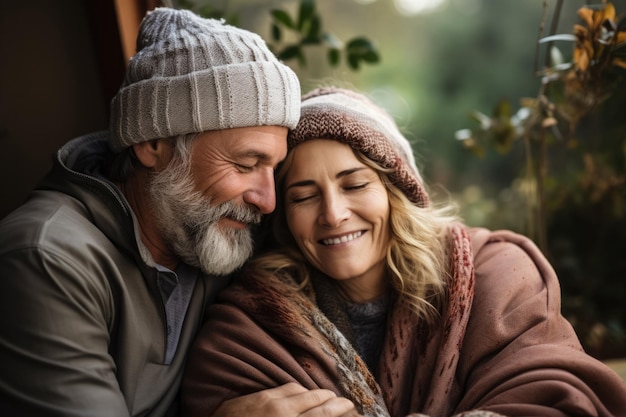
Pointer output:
x,y
192,74
352,118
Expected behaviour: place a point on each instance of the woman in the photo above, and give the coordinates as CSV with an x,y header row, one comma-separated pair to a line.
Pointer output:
x,y
375,293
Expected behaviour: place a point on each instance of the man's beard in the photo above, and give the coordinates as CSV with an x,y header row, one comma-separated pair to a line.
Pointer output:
x,y
190,227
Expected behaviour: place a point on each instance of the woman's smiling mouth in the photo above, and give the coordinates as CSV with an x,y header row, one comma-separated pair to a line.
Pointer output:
x,y
342,239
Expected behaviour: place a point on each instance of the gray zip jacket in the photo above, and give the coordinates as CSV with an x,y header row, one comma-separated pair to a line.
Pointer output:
x,y
82,316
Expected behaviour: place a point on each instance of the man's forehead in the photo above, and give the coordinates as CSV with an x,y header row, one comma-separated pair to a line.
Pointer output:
x,y
260,142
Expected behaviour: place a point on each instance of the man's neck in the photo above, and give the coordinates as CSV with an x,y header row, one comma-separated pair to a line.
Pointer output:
x,y
135,191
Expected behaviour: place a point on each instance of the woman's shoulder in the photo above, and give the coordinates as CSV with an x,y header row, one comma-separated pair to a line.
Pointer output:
x,y
510,270
497,249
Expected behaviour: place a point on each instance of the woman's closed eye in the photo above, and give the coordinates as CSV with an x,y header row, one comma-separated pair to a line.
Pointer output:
x,y
300,198
354,187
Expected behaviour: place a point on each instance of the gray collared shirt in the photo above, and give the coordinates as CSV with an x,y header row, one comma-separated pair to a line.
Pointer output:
x,y
176,288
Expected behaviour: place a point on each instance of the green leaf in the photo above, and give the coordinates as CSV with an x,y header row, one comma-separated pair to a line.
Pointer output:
x,y
334,56
289,52
361,50
359,43
276,33
371,57
306,12
353,61
312,35
281,16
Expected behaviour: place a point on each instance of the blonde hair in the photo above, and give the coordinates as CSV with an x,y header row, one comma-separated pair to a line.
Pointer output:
x,y
417,258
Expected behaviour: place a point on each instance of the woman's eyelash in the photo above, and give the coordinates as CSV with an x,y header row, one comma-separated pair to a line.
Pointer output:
x,y
301,199
357,186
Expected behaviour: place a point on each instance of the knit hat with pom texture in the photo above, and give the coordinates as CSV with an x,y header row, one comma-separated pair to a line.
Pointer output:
x,y
352,118
192,74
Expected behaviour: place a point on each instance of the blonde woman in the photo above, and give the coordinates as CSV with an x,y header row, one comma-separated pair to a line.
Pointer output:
x,y
386,299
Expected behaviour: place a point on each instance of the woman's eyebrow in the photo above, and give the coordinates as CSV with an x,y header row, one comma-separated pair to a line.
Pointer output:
x,y
350,171
303,183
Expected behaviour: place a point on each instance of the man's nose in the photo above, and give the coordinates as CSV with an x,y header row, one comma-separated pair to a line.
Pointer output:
x,y
262,193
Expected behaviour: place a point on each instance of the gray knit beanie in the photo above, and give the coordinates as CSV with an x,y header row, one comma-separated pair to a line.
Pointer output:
x,y
352,118
192,74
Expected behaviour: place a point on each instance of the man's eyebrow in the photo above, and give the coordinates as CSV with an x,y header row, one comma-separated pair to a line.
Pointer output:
x,y
253,153
261,156
341,174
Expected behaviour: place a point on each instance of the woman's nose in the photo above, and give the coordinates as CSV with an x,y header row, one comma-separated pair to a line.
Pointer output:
x,y
334,210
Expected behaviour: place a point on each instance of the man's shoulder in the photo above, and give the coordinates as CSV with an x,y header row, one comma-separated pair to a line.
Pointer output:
x,y
47,220
54,235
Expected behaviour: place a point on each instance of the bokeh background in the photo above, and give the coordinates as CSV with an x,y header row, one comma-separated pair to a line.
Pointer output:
x,y
439,61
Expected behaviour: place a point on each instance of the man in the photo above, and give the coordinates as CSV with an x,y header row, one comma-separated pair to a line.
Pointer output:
x,y
106,270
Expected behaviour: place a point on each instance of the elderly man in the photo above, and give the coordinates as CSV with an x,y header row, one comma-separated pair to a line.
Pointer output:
x,y
106,270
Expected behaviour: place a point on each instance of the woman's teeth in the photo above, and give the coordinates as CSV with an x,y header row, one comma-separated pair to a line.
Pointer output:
x,y
342,239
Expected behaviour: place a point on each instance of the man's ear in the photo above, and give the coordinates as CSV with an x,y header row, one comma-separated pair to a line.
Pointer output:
x,y
154,154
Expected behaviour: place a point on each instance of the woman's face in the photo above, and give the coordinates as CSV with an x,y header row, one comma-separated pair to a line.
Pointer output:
x,y
337,210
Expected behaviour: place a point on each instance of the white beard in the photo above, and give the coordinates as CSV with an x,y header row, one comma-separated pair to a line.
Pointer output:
x,y
190,227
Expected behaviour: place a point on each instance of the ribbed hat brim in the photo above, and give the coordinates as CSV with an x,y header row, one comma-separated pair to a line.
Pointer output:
x,y
249,94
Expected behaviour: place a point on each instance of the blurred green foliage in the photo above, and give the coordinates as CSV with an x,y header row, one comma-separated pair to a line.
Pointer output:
x,y
307,30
